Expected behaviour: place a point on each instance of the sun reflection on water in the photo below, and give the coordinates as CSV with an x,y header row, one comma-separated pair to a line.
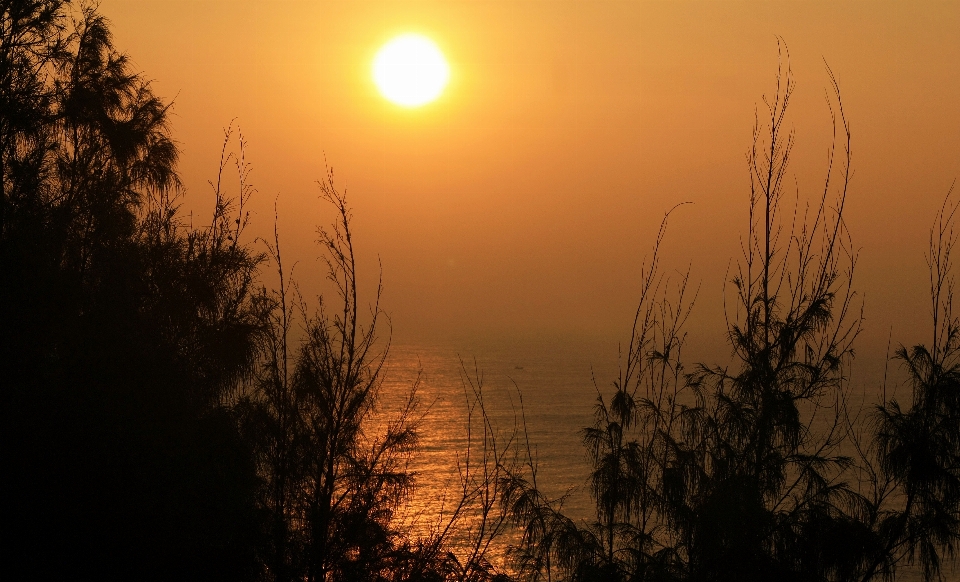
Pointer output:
x,y
558,395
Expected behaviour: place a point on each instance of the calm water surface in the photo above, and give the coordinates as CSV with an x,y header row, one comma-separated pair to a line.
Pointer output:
x,y
553,376
556,376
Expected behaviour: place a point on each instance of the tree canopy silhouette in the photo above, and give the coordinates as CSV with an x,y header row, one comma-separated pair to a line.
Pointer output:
x,y
123,331
157,421
759,469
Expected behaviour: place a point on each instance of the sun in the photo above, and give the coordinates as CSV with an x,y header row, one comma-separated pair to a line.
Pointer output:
x,y
410,70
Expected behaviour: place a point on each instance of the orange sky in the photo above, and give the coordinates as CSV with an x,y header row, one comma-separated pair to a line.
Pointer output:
x,y
527,196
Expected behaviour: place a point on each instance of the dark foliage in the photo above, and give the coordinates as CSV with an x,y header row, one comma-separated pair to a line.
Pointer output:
x,y
158,422
333,476
916,452
330,488
758,470
122,331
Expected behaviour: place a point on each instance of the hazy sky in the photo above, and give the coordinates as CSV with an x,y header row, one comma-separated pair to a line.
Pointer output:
x,y
526,198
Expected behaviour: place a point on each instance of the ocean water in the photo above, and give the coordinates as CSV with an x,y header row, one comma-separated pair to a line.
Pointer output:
x,y
537,389
541,389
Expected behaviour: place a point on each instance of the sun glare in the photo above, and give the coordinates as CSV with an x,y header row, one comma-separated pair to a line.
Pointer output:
x,y
410,70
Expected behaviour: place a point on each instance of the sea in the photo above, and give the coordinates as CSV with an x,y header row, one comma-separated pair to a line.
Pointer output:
x,y
535,391
527,396
540,389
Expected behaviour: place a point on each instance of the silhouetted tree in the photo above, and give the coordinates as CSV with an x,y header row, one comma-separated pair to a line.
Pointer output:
x,y
630,444
334,467
124,332
330,484
768,493
156,422
729,472
916,472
